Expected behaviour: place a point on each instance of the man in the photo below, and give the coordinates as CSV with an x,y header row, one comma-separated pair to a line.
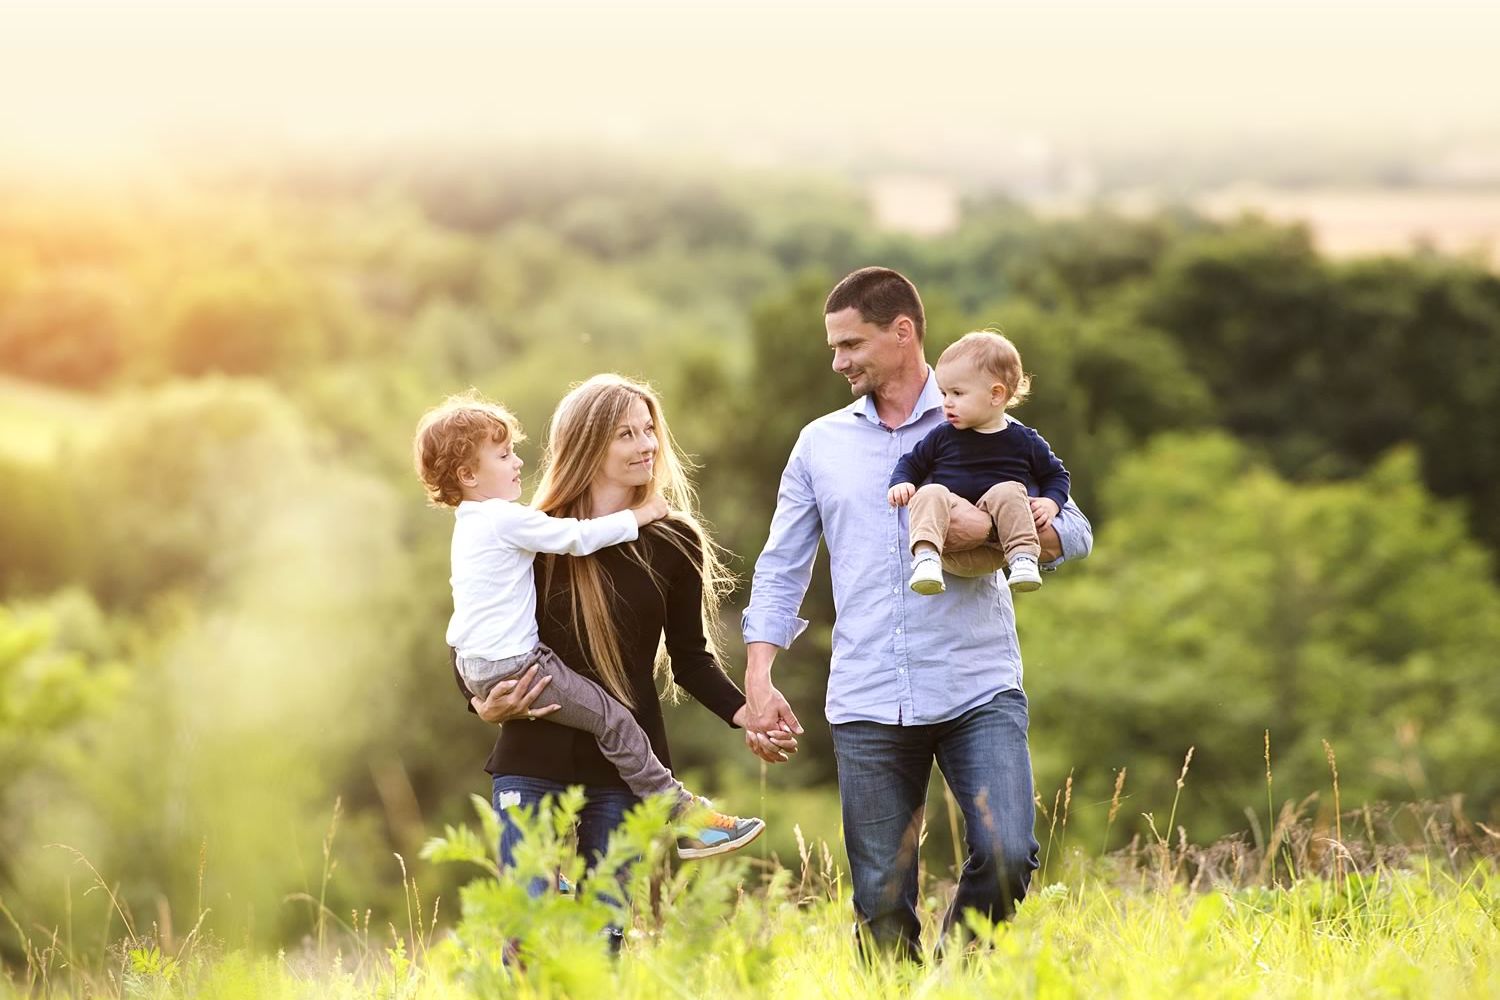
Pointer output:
x,y
913,679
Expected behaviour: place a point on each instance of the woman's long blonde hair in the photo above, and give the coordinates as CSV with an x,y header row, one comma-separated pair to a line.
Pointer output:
x,y
582,428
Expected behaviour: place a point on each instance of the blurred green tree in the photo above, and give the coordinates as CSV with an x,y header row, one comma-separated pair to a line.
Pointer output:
x,y
174,490
238,322
42,533
1222,601
46,688
56,681
1329,366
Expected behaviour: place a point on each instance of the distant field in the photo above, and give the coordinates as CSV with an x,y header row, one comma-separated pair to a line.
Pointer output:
x,y
1349,222
35,418
1345,222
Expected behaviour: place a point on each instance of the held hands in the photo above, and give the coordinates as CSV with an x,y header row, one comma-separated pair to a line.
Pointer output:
x,y
654,509
767,709
901,494
1043,511
771,727
774,747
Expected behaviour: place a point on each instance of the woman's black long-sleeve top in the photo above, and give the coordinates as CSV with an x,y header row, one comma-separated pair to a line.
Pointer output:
x,y
642,611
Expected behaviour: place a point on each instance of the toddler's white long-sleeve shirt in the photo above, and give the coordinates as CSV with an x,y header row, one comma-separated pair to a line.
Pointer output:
x,y
494,545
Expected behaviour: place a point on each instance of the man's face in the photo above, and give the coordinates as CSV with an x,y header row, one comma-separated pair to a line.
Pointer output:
x,y
864,353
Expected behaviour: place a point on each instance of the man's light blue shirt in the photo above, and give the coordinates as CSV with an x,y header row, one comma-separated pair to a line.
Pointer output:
x,y
898,657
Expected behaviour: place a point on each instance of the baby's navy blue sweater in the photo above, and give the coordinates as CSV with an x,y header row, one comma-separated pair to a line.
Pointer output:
x,y
969,462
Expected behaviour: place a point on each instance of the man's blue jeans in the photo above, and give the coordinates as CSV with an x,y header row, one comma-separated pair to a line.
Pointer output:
x,y
883,774
603,809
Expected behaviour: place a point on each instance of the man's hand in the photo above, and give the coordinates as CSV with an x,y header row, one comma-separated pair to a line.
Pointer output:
x,y
654,509
901,494
768,709
775,747
513,698
1043,510
968,528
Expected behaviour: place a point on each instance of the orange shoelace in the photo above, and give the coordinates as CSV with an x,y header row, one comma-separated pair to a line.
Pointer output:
x,y
721,821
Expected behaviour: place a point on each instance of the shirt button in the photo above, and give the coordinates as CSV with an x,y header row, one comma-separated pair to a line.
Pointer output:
x,y
900,670
895,590
898,631
893,548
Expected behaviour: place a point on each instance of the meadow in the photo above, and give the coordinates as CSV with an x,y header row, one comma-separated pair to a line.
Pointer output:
x,y
1384,902
222,599
1156,921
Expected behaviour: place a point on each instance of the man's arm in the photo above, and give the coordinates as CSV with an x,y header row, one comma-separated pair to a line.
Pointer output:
x,y
1074,534
782,575
1069,537
767,709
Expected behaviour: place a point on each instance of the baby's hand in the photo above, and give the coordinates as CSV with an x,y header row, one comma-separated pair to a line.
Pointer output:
x,y
653,509
901,494
1043,511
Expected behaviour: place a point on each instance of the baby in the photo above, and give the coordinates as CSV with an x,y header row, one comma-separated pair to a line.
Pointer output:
x,y
465,456
980,457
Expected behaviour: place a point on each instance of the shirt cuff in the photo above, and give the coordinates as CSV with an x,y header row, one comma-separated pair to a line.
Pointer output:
x,y
1076,536
781,630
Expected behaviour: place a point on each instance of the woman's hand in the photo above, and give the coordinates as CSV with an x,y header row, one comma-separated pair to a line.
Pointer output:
x,y
513,699
774,747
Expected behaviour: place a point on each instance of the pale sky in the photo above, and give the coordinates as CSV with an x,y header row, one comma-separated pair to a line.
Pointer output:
x,y
93,84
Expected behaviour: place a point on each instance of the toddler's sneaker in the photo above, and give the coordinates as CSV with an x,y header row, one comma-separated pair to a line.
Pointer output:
x,y
710,833
1024,575
927,576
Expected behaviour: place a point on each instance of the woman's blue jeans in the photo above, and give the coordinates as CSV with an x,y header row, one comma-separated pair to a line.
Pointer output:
x,y
604,809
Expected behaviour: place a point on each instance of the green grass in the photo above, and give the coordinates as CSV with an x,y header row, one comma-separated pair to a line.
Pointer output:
x,y
1399,935
1130,925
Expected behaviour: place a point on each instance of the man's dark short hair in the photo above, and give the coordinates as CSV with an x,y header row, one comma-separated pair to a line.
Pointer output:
x,y
880,295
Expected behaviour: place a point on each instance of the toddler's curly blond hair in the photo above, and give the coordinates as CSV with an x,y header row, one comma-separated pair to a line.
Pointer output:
x,y
448,439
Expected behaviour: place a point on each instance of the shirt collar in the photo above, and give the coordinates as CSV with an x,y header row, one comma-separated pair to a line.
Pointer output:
x,y
930,399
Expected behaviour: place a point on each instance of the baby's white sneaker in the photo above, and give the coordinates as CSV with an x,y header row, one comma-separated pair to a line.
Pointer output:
x,y
1024,575
927,576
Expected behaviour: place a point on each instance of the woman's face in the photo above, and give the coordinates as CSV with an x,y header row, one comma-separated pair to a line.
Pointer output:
x,y
630,459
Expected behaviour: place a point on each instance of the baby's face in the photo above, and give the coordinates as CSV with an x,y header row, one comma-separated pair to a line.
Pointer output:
x,y
971,397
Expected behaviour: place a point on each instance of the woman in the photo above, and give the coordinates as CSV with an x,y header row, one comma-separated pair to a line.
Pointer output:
x,y
607,614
